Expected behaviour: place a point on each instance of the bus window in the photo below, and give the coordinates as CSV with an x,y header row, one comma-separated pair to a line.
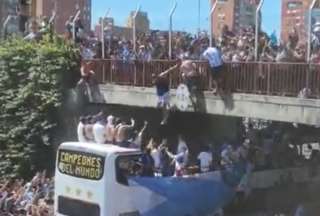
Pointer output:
x,y
67,206
127,166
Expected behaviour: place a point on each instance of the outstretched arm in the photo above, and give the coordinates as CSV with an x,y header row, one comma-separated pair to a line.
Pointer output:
x,y
170,69
143,129
172,156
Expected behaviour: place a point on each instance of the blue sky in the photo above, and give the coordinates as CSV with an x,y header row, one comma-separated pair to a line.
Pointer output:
x,y
186,16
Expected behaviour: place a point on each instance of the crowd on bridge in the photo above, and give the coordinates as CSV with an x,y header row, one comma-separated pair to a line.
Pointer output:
x,y
27,198
234,46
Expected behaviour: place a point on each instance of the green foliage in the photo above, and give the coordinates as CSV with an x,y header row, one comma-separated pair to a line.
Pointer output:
x,y
33,78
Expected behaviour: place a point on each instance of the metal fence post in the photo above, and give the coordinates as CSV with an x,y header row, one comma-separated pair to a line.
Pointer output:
x,y
103,54
268,79
143,75
5,25
170,28
212,9
73,24
256,57
134,28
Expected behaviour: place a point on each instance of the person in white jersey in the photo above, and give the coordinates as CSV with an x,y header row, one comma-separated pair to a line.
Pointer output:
x,y
181,144
99,131
214,57
110,129
81,130
205,158
180,160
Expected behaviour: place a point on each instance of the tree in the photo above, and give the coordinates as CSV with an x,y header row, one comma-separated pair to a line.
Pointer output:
x,y
33,79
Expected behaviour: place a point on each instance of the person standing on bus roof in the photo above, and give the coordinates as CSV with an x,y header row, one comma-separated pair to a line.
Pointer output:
x,y
81,130
99,131
122,133
88,128
110,130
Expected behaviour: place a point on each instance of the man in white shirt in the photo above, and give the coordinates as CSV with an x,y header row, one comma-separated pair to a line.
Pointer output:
x,y
110,130
181,160
205,158
99,132
81,130
226,156
181,144
214,57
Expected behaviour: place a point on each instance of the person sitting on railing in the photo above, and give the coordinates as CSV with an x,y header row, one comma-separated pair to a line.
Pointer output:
x,y
213,56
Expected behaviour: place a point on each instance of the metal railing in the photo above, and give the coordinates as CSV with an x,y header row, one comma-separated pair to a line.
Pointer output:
x,y
265,78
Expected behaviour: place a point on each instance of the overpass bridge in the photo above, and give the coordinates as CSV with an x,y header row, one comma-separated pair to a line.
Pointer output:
x,y
260,90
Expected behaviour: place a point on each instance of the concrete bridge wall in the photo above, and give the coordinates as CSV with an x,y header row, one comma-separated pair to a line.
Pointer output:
x,y
275,108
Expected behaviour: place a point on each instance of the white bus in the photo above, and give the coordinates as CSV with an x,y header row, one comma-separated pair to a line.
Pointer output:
x,y
103,180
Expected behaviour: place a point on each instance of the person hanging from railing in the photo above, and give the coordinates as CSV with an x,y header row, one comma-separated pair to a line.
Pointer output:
x,y
162,84
214,57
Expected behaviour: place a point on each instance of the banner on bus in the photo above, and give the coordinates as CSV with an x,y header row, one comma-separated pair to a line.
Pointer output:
x,y
81,164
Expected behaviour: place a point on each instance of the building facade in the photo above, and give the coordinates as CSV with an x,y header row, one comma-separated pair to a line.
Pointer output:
x,y
233,13
294,14
142,21
64,10
113,31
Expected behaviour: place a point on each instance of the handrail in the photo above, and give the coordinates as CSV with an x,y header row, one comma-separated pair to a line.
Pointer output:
x,y
265,78
229,62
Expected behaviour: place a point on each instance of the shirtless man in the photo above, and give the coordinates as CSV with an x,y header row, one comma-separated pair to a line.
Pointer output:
x,y
122,133
110,130
190,75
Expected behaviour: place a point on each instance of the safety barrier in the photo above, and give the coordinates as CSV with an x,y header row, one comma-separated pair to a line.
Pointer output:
x,y
266,78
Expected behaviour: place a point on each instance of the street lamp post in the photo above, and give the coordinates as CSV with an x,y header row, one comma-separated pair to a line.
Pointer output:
x,y
199,17
256,43
310,29
103,54
73,24
134,28
5,25
212,9
170,27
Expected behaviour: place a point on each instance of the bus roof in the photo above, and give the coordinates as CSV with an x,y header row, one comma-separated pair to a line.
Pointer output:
x,y
101,149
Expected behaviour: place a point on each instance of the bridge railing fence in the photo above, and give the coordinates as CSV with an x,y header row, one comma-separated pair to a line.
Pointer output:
x,y
282,79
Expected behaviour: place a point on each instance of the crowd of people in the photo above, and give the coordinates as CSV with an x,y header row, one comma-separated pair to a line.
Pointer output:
x,y
234,46
33,198
257,149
